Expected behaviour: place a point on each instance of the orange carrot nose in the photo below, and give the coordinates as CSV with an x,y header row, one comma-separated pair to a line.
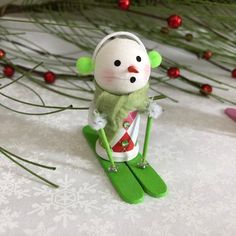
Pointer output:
x,y
132,69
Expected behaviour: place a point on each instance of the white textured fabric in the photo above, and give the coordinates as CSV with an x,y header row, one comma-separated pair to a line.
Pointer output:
x,y
193,147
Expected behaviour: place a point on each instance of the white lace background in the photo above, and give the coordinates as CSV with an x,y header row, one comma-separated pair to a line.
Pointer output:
x,y
193,147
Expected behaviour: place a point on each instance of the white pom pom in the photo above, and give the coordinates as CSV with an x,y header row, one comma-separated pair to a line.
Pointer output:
x,y
154,110
97,121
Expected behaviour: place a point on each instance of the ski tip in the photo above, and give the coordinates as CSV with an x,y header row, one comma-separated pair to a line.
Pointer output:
x,y
160,194
134,201
157,192
148,178
126,185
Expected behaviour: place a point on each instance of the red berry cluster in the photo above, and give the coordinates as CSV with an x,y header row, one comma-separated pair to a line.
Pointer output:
x,y
49,77
174,21
173,72
8,71
2,53
124,4
207,55
233,73
206,89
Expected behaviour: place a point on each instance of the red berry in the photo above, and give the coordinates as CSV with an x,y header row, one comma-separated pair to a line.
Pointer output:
x,y
173,72
174,21
206,89
49,77
207,54
233,73
8,71
124,4
2,53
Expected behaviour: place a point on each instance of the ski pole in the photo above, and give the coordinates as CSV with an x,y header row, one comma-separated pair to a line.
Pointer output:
x,y
103,137
146,141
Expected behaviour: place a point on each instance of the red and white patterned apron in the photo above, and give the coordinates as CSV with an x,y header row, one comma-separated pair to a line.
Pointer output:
x,y
124,145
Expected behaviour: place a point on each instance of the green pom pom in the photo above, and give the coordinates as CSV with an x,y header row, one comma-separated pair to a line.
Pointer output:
x,y
155,58
84,65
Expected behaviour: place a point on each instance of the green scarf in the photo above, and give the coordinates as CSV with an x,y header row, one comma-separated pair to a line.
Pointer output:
x,y
117,107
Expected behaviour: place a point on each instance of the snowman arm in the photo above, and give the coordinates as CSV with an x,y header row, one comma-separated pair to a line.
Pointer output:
x,y
97,120
153,109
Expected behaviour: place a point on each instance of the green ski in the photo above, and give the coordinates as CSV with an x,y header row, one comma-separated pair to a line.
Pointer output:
x,y
123,180
148,178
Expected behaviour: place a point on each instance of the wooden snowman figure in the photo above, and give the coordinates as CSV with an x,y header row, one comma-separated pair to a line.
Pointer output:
x,y
122,67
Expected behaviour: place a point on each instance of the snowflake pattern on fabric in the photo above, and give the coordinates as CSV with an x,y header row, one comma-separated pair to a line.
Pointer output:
x,y
8,220
41,229
12,186
64,200
97,227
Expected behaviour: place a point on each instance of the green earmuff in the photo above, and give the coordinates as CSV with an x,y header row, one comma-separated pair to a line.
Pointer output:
x,y
84,65
155,58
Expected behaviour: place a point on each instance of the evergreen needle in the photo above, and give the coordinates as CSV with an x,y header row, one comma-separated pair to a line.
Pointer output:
x,y
25,160
28,170
35,114
44,106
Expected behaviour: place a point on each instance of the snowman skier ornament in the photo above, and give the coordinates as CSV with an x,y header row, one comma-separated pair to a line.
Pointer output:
x,y
122,67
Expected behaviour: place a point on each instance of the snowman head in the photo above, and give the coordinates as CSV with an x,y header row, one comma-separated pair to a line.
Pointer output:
x,y
120,63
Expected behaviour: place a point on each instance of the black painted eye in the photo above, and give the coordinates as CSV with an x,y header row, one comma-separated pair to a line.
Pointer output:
x,y
132,79
117,62
138,58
